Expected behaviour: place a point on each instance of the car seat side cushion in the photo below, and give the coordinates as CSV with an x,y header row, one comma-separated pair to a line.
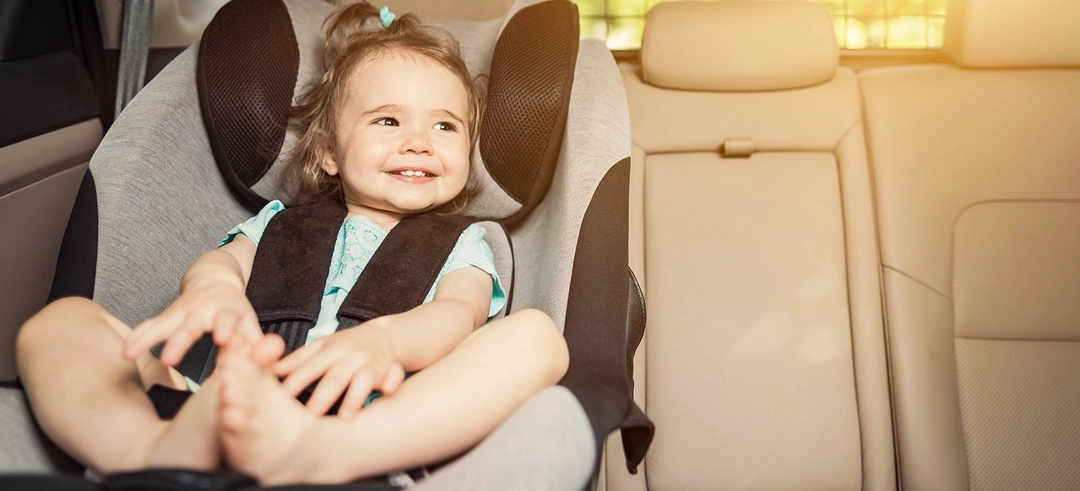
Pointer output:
x,y
596,327
247,69
528,97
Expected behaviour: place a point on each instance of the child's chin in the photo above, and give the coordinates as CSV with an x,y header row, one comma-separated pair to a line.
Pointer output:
x,y
416,209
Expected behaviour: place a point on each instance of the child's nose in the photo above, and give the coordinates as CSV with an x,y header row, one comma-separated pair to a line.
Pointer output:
x,y
416,141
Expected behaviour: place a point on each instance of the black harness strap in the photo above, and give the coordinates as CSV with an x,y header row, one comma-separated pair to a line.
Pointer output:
x,y
290,268
291,263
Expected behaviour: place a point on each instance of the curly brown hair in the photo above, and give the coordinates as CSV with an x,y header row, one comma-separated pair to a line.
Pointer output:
x,y
348,44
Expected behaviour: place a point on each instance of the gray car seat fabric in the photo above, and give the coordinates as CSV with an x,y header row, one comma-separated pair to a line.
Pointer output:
x,y
25,448
159,200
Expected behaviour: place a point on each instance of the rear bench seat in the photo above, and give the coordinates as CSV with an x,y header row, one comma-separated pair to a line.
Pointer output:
x,y
977,175
764,364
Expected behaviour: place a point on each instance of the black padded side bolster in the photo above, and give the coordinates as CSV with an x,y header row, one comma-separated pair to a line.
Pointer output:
x,y
403,268
635,324
637,430
247,68
291,263
532,72
76,267
596,319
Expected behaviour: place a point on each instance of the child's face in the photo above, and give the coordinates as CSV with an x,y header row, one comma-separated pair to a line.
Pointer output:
x,y
401,136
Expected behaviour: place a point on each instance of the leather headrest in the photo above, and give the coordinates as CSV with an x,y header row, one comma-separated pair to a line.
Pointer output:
x,y
1013,33
739,45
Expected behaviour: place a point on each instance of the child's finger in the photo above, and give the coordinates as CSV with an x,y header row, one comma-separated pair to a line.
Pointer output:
x,y
249,326
310,371
359,389
395,375
140,331
132,341
330,388
223,326
267,350
149,333
237,346
178,344
297,358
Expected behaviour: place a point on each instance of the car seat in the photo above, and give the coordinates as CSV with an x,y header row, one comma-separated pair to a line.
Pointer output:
x,y
197,152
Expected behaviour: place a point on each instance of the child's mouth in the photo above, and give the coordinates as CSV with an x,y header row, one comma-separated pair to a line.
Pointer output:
x,y
412,176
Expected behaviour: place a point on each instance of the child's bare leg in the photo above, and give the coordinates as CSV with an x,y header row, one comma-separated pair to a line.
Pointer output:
x,y
92,402
438,413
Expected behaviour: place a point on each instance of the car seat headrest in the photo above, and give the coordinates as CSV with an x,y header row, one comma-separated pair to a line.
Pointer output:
x,y
739,45
532,71
1011,34
257,56
247,68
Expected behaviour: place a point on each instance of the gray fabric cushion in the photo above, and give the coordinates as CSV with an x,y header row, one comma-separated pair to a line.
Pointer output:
x,y
25,449
161,200
546,444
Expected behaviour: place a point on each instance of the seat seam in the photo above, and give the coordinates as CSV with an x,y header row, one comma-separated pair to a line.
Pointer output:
x,y
858,122
916,280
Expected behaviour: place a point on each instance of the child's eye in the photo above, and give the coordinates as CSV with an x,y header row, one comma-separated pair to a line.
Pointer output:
x,y
444,126
386,122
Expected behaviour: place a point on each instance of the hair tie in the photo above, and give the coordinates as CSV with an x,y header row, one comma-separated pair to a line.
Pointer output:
x,y
386,16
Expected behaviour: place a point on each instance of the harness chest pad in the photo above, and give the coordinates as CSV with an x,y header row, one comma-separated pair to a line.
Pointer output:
x,y
247,68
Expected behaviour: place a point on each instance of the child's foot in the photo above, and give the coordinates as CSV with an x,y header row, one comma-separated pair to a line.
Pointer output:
x,y
262,425
191,439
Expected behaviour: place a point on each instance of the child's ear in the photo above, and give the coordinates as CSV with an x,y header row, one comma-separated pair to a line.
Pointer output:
x,y
328,163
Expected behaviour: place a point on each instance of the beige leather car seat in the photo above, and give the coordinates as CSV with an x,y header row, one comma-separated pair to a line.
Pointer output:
x,y
977,172
764,364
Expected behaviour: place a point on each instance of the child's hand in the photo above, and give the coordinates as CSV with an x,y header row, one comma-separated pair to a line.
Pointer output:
x,y
219,309
360,360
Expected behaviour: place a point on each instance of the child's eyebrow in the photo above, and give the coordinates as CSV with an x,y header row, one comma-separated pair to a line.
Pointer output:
x,y
389,108
447,114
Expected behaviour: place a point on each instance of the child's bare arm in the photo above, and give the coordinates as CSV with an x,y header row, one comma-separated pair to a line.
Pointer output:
x,y
376,354
425,334
211,299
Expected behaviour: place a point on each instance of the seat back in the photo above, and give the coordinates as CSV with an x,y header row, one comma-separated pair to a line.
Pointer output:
x,y
977,175
752,231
